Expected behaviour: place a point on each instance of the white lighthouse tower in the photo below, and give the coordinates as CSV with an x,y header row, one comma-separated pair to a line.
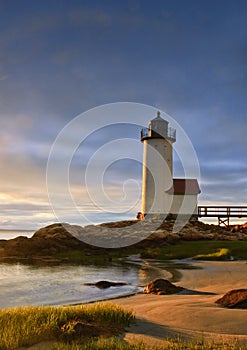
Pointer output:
x,y
157,166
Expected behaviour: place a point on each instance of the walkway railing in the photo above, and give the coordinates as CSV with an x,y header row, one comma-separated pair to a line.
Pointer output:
x,y
223,213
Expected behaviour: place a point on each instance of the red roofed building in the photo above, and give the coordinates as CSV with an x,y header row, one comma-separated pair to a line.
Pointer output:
x,y
184,186
185,192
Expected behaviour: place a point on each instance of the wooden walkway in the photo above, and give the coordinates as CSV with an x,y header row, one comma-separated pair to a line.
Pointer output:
x,y
222,213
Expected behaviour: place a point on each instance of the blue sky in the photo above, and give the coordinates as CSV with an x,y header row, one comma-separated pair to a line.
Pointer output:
x,y
61,58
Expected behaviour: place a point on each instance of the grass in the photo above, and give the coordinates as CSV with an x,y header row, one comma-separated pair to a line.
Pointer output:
x,y
189,249
117,344
221,254
218,250
24,326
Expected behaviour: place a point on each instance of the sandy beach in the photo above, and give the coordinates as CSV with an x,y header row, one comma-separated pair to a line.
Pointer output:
x,y
193,314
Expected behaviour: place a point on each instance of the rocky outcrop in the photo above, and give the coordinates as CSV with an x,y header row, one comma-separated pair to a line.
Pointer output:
x,y
234,299
197,230
162,287
47,241
106,284
61,238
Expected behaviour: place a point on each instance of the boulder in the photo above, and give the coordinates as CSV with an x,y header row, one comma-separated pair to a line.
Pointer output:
x,y
106,284
192,236
172,237
234,299
159,234
47,241
162,287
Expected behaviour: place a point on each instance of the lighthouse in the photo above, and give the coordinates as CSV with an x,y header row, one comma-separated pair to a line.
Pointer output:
x,y
157,173
161,193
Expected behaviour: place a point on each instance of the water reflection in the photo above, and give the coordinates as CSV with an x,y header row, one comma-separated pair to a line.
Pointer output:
x,y
64,284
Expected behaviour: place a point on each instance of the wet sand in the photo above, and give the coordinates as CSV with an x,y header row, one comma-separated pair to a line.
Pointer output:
x,y
195,314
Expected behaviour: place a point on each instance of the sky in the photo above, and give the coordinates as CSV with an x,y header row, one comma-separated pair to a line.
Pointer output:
x,y
59,59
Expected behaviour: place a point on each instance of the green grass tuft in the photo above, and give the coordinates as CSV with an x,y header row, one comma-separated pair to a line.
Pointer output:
x,y
189,249
221,254
24,326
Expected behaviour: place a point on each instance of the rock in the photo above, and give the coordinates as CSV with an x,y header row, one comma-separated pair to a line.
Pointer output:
x,y
74,329
63,238
159,234
119,224
106,284
47,241
234,299
162,287
172,237
192,236
89,227
210,236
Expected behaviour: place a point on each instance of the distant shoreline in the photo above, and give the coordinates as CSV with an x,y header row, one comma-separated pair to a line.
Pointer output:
x,y
6,234
19,230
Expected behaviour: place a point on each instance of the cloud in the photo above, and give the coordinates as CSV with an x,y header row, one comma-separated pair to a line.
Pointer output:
x,y
4,77
58,61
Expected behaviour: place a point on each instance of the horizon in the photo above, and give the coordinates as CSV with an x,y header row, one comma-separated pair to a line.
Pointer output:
x,y
210,221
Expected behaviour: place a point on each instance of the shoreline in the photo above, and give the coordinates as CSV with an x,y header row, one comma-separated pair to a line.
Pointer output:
x,y
161,272
191,315
187,317
143,271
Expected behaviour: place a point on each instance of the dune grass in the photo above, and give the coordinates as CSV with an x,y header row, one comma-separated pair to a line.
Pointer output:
x,y
117,344
24,326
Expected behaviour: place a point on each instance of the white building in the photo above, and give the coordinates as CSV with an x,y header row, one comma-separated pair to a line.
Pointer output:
x,y
161,194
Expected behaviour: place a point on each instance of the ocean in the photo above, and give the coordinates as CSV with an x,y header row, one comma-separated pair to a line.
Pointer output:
x,y
9,234
61,284
22,284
